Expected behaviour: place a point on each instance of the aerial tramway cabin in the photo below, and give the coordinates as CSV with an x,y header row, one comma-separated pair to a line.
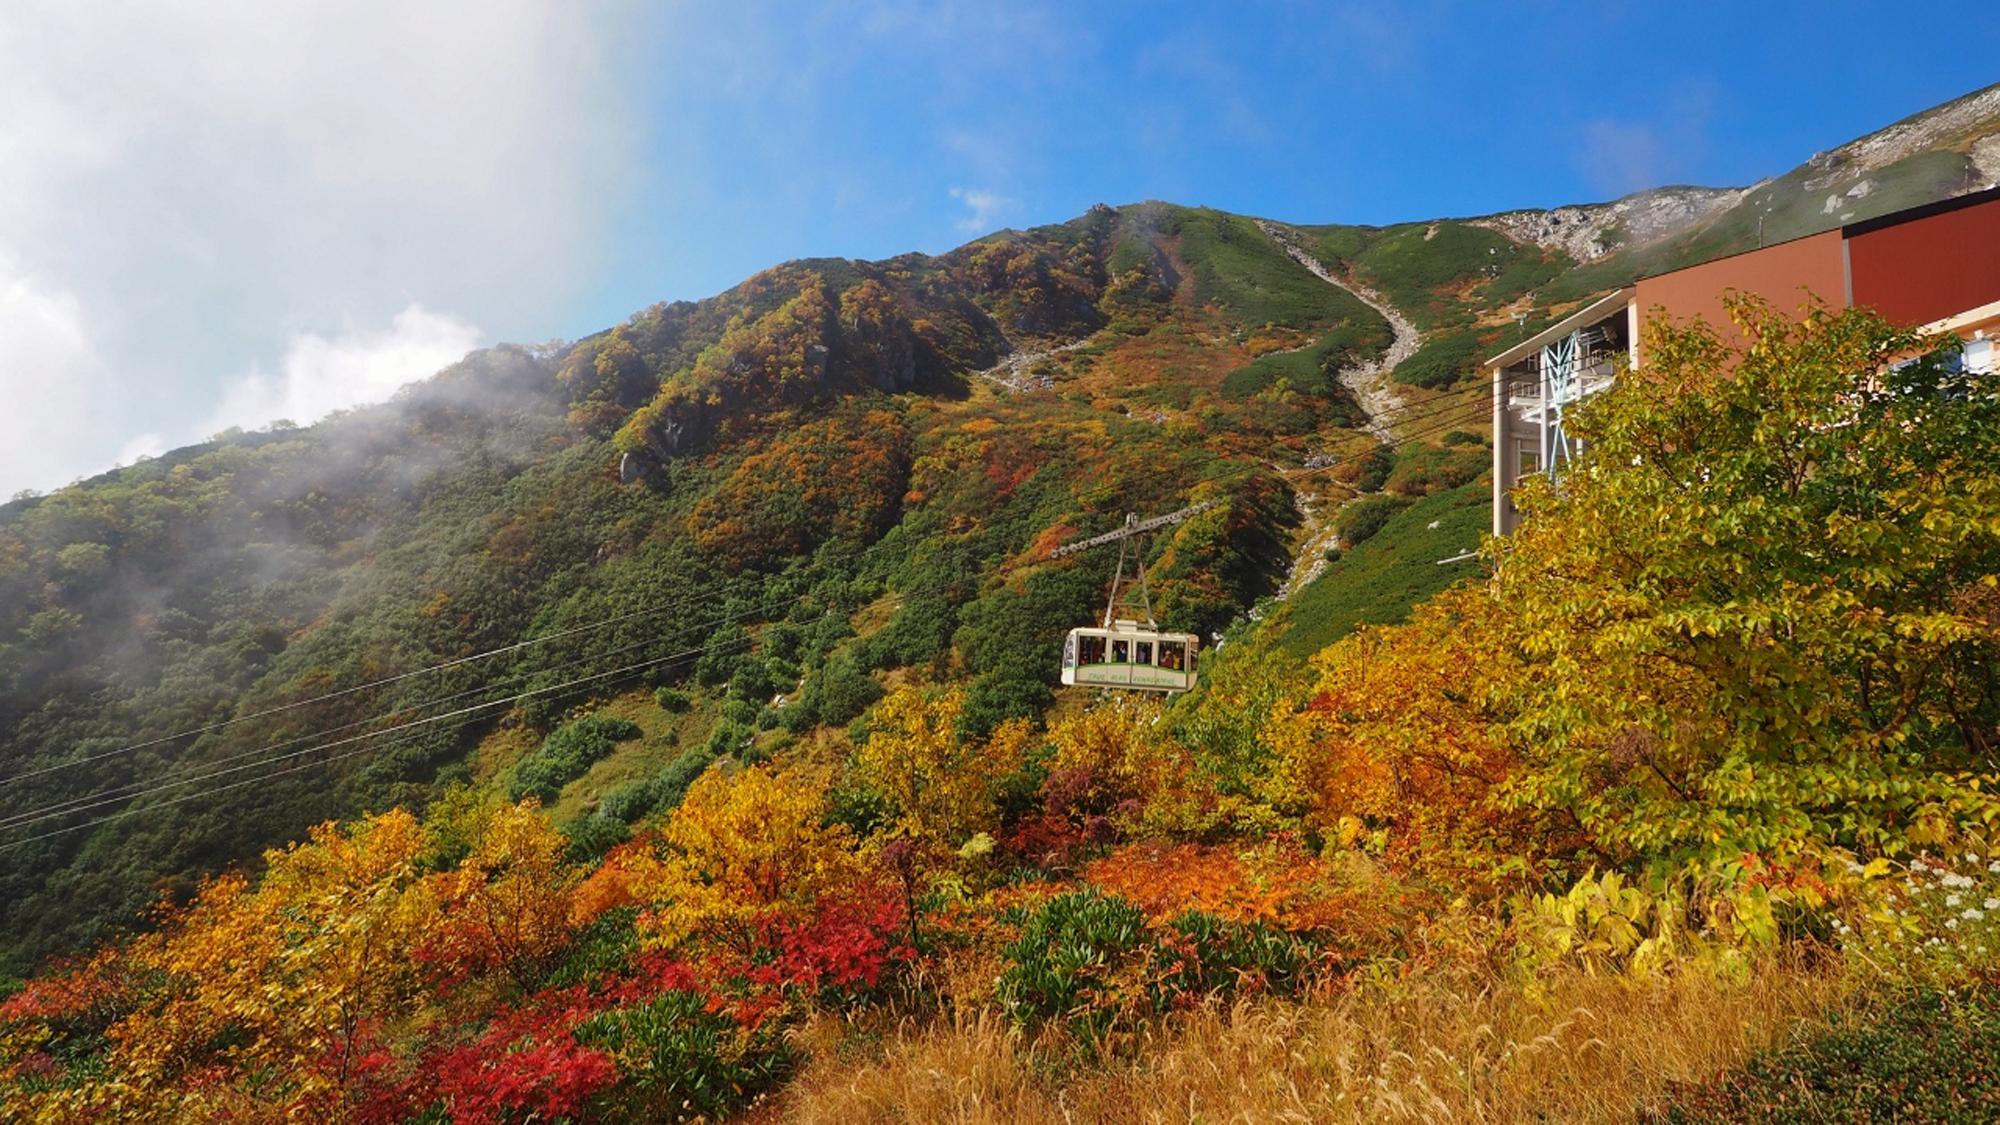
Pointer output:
x,y
1129,654
1937,266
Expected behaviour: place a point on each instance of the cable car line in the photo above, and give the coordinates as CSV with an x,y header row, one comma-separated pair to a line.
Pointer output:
x,y
385,681
131,789
461,712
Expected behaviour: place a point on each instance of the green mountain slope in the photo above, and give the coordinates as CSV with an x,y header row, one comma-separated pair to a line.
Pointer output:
x,y
770,504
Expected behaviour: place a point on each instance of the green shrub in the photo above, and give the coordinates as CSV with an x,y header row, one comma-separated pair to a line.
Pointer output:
x,y
1433,469
719,655
672,783
728,737
1090,962
919,633
838,693
1443,361
1201,954
1359,521
1368,471
1067,958
1238,267
1378,582
682,1062
784,640
592,835
583,735
1925,1058
566,754
671,701
600,950
861,808
751,680
1246,381
631,801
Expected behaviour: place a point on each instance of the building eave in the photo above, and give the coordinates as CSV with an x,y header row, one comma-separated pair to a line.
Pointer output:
x,y
1582,318
1970,318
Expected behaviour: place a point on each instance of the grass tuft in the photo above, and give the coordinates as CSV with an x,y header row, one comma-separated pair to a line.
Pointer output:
x,y
1436,1046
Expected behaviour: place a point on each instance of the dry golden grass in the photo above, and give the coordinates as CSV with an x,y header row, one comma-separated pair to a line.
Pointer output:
x,y
1426,1048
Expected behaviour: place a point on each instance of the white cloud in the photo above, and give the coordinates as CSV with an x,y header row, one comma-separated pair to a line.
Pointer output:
x,y
140,448
984,208
320,376
1620,159
49,375
207,184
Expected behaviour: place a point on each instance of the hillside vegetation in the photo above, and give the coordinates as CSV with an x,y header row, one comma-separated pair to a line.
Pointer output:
x,y
662,726
1716,734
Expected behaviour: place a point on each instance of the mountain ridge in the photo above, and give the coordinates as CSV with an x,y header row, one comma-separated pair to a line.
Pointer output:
x,y
825,437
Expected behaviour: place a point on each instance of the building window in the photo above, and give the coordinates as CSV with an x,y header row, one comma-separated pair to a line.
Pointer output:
x,y
1978,356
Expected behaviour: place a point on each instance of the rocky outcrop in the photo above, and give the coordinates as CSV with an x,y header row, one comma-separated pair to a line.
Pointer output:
x,y
1975,116
676,426
1985,156
1017,371
1590,231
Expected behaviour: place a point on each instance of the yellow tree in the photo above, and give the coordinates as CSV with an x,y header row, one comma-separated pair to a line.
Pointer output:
x,y
940,787
267,995
742,851
1763,607
510,903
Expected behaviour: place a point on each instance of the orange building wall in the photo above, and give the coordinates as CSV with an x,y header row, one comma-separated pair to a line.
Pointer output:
x,y
1928,268
1781,274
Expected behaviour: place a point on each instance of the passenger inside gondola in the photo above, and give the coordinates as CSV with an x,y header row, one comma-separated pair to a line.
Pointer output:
x,y
1121,652
1142,652
1090,650
1172,654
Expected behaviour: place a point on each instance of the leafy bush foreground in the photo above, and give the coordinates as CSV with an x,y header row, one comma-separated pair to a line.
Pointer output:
x,y
1722,714
1930,1057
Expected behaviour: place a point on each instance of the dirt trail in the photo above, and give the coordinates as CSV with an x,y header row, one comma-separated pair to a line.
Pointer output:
x,y
1316,534
1379,402
1370,381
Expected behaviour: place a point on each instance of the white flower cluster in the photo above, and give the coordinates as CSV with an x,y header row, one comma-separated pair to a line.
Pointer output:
x,y
1946,906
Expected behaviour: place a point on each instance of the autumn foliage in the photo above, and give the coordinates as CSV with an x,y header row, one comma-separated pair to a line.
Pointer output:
x,y
354,982
1648,754
838,478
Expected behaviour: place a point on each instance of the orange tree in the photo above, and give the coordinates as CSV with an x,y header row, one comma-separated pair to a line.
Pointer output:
x,y
1401,748
511,904
262,1004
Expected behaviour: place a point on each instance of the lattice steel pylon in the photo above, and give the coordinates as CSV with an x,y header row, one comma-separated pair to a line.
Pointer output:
x,y
1131,540
1559,389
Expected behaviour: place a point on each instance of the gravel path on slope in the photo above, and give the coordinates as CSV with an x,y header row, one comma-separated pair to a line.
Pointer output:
x,y
1370,381
1379,402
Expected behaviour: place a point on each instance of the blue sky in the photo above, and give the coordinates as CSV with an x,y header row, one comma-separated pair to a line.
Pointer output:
x,y
229,212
